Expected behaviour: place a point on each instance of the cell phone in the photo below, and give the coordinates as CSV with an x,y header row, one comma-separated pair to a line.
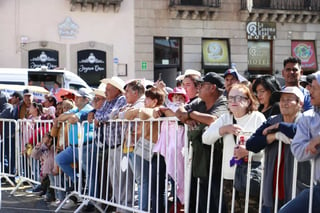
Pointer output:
x,y
159,78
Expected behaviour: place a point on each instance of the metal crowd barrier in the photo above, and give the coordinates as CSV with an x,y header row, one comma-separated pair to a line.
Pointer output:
x,y
7,149
110,175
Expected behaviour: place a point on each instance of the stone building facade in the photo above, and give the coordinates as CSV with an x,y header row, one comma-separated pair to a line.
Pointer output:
x,y
159,38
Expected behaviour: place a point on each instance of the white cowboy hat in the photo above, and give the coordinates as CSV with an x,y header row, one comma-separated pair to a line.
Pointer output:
x,y
116,82
100,90
188,72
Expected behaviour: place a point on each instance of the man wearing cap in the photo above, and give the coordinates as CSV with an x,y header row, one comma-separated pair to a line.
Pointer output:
x,y
15,98
281,127
306,146
199,114
111,141
21,110
65,158
231,76
291,73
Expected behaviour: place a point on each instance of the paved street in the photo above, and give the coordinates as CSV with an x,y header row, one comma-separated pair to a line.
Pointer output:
x,y
23,202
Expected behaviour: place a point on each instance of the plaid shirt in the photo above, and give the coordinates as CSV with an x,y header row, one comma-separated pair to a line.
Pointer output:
x,y
112,136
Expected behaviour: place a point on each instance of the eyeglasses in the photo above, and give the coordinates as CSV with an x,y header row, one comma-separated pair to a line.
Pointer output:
x,y
236,98
97,99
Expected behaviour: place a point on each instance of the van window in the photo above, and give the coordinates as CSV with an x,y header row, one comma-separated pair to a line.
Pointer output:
x,y
48,78
75,86
12,82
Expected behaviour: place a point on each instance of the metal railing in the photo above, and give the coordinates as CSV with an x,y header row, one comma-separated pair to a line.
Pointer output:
x,y
195,3
113,174
298,5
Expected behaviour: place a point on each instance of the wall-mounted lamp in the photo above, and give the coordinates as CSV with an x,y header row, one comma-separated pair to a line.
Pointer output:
x,y
24,40
289,34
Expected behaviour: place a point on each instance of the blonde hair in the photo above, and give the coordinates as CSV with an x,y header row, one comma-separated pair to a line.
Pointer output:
x,y
69,104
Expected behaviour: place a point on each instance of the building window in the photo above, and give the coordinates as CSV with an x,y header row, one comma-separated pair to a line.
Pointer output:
x,y
167,51
260,57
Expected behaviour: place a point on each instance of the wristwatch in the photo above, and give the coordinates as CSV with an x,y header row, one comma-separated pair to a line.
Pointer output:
x,y
189,112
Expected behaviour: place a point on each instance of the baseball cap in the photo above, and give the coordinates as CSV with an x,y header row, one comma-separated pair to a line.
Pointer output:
x,y
26,92
17,95
84,93
288,90
214,78
234,72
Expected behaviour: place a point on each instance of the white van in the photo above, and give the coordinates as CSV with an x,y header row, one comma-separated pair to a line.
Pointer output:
x,y
22,76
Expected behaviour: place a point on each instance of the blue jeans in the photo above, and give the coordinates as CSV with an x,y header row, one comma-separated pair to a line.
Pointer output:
x,y
143,201
65,158
301,202
59,194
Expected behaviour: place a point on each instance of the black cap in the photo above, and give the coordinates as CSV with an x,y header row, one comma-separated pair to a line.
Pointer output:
x,y
17,95
214,78
26,92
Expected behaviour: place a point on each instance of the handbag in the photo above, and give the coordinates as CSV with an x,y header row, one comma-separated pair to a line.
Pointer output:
x,y
240,181
143,148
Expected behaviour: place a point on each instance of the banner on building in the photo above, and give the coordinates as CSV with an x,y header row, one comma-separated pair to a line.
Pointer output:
x,y
261,30
215,52
305,50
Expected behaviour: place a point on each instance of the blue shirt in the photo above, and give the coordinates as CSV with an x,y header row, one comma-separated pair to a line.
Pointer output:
x,y
74,133
308,128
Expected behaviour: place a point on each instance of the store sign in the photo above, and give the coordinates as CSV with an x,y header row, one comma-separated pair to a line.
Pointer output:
x,y
261,30
305,50
259,55
48,58
92,66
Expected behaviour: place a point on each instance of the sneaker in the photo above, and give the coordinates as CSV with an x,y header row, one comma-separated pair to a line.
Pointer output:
x,y
37,188
39,193
57,202
48,199
69,205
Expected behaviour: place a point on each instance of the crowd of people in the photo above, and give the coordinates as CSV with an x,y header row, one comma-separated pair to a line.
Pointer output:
x,y
227,111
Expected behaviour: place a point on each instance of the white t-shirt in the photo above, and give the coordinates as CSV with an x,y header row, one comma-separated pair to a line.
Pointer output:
x,y
249,123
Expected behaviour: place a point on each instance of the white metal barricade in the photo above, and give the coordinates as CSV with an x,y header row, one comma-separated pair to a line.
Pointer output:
x,y
8,149
108,171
